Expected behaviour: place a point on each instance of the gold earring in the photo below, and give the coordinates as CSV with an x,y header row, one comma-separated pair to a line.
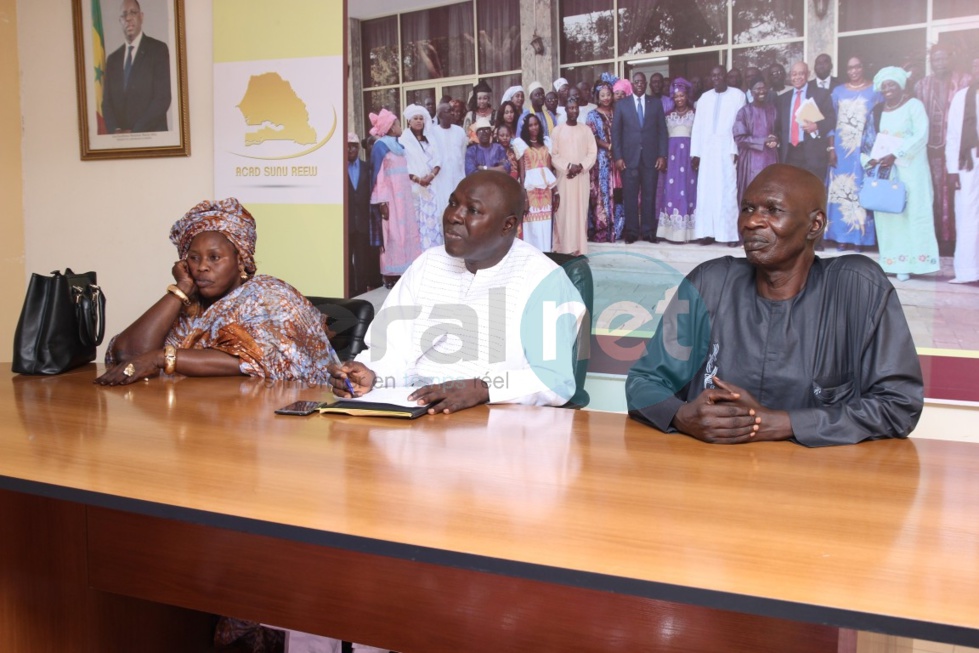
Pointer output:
x,y
244,275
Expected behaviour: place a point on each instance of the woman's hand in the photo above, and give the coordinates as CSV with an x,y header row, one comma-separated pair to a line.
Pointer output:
x,y
383,210
139,368
181,274
884,162
887,161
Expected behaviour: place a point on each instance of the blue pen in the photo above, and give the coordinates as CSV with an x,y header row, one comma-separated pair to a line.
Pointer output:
x,y
334,359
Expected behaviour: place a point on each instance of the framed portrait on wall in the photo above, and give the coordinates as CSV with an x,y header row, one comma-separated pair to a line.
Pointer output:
x,y
131,78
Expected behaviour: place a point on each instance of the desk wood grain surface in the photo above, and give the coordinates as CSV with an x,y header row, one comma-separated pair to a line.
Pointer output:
x,y
882,535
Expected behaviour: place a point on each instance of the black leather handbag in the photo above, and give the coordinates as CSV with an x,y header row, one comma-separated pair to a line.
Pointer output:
x,y
61,324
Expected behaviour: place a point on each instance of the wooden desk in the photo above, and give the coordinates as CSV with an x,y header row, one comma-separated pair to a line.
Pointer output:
x,y
502,528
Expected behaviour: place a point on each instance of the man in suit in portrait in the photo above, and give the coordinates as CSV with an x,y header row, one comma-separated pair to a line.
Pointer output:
x,y
639,145
136,96
365,261
805,144
823,70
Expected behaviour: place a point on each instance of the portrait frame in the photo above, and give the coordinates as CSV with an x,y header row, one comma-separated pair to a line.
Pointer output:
x,y
98,36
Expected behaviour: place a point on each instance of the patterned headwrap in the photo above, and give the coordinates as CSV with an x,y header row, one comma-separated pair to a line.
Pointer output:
x,y
623,85
381,122
680,84
608,78
510,92
893,74
229,218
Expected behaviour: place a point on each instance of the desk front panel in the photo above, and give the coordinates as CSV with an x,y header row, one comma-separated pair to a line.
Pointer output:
x,y
404,605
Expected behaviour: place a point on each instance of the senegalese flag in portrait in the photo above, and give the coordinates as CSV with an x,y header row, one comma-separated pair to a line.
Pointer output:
x,y
98,61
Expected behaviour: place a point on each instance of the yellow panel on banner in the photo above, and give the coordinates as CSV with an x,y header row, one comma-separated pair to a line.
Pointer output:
x,y
278,132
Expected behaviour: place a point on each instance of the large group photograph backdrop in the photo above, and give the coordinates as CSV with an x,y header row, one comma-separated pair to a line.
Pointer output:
x,y
426,53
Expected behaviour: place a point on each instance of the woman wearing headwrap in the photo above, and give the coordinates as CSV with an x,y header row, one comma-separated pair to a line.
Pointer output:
x,y
392,197
606,215
220,318
847,223
621,88
906,240
515,94
424,164
480,106
676,219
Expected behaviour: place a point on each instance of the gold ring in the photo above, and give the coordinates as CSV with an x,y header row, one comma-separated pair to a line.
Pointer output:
x,y
129,370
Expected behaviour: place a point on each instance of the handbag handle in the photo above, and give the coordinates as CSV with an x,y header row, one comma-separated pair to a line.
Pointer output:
x,y
877,173
90,312
89,308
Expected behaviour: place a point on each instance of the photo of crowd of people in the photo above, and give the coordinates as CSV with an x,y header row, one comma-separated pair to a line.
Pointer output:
x,y
622,160
686,103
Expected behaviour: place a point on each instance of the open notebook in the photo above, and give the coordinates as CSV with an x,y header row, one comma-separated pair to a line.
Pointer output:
x,y
380,402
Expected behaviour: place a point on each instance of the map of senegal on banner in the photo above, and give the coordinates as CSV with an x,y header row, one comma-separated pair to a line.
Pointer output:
x,y
278,131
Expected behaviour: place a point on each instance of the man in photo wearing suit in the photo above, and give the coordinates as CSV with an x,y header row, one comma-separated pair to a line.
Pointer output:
x,y
639,145
805,144
365,257
137,79
823,69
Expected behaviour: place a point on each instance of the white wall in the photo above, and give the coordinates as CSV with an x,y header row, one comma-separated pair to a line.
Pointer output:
x,y
113,217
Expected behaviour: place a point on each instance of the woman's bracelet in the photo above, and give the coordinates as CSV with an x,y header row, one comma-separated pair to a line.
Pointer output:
x,y
169,359
179,294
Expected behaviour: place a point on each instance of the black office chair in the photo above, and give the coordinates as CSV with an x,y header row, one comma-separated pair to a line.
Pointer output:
x,y
579,272
349,319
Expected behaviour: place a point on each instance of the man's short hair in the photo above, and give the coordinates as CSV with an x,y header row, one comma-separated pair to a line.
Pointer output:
x,y
515,194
